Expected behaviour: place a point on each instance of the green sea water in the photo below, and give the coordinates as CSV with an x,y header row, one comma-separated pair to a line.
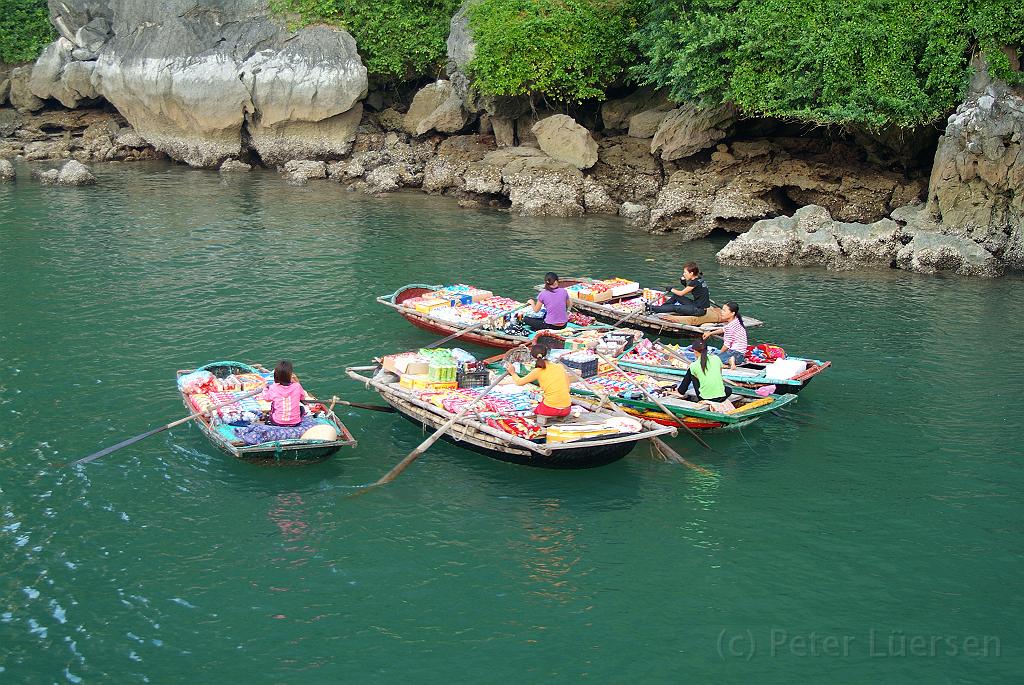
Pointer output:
x,y
876,536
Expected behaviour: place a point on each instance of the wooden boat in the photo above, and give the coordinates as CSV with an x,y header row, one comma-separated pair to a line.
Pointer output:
x,y
750,375
482,336
296,451
749,407
479,437
651,324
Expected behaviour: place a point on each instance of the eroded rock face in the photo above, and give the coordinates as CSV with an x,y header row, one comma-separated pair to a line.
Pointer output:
x,y
812,238
542,186
616,114
438,107
689,129
561,138
7,173
75,173
20,94
977,183
203,80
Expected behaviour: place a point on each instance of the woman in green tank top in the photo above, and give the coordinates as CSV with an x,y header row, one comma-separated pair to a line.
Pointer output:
x,y
705,374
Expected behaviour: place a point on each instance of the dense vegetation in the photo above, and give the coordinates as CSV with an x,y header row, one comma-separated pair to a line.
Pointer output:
x,y
569,50
24,29
398,39
998,23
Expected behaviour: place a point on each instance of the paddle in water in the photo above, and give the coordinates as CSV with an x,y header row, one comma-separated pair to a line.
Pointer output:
x,y
131,441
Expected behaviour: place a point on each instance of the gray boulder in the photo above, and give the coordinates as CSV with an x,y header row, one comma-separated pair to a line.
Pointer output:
x,y
635,213
48,177
646,124
561,138
931,253
7,173
231,165
20,95
438,107
58,76
75,173
306,169
690,129
616,113
5,90
538,185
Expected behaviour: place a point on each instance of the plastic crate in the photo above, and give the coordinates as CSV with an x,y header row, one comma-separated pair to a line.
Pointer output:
x,y
473,379
586,369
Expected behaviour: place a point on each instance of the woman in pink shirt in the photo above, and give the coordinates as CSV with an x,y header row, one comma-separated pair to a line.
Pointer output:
x,y
285,396
734,334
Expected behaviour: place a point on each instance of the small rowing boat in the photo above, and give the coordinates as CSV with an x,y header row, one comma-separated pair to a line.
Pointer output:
x,y
447,310
742,407
503,428
620,298
790,376
236,428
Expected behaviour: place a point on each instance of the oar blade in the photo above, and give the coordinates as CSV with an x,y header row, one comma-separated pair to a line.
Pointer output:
x,y
113,448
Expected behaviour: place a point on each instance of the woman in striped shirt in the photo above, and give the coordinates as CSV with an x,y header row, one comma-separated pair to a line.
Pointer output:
x,y
734,333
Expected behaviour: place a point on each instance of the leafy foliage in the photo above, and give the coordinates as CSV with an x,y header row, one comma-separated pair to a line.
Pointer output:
x,y
999,23
869,62
25,29
398,39
569,50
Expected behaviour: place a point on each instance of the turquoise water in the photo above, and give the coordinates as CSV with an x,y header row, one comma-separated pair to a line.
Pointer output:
x,y
876,536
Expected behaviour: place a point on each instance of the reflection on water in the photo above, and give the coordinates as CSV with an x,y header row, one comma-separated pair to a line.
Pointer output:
x,y
890,494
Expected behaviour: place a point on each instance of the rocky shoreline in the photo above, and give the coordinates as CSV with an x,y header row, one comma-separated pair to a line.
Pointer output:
x,y
233,88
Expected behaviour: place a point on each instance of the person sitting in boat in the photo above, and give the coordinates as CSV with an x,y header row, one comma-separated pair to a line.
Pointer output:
x,y
705,374
691,298
553,380
285,396
734,334
555,300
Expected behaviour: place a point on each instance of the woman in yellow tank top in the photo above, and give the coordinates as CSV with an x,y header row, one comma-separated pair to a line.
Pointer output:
x,y
552,379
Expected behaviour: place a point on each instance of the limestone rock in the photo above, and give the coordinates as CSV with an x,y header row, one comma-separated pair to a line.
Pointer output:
x,y
596,199
690,129
645,124
127,137
616,113
48,177
306,169
5,90
695,203
628,170
933,252
561,138
231,165
446,171
7,173
542,186
20,95
437,106
304,96
524,127
56,75
504,131
635,213
75,174
975,190
384,179
391,119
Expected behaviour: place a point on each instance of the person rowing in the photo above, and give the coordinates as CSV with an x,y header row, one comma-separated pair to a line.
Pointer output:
x,y
734,334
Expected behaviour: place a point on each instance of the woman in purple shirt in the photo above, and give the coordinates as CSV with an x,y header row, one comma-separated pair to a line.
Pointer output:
x,y
555,300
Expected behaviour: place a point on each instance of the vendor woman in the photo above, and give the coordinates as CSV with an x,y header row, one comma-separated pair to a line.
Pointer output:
x,y
553,381
705,375
555,300
690,298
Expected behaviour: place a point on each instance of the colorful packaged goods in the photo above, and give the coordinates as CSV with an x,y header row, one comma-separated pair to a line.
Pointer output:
x,y
581,319
583,362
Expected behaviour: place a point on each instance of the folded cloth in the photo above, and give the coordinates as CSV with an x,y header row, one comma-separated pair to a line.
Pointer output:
x,y
259,433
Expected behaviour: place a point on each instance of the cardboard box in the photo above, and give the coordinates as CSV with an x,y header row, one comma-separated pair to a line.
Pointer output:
x,y
425,305
481,295
411,381
620,289
407,362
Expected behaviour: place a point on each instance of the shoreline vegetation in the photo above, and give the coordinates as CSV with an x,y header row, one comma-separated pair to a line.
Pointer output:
x,y
861,134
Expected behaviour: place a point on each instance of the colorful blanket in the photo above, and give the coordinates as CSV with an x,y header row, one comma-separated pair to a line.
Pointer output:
x,y
259,433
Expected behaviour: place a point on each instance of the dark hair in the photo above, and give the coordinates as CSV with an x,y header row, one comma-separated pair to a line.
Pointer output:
x,y
701,347
283,372
539,352
550,278
735,309
693,268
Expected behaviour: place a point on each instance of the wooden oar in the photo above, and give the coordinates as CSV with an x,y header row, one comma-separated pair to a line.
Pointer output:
x,y
357,405
132,441
656,401
474,327
659,444
425,445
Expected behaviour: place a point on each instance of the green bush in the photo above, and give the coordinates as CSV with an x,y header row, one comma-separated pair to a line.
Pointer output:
x,y
25,29
398,39
866,62
568,50
998,23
